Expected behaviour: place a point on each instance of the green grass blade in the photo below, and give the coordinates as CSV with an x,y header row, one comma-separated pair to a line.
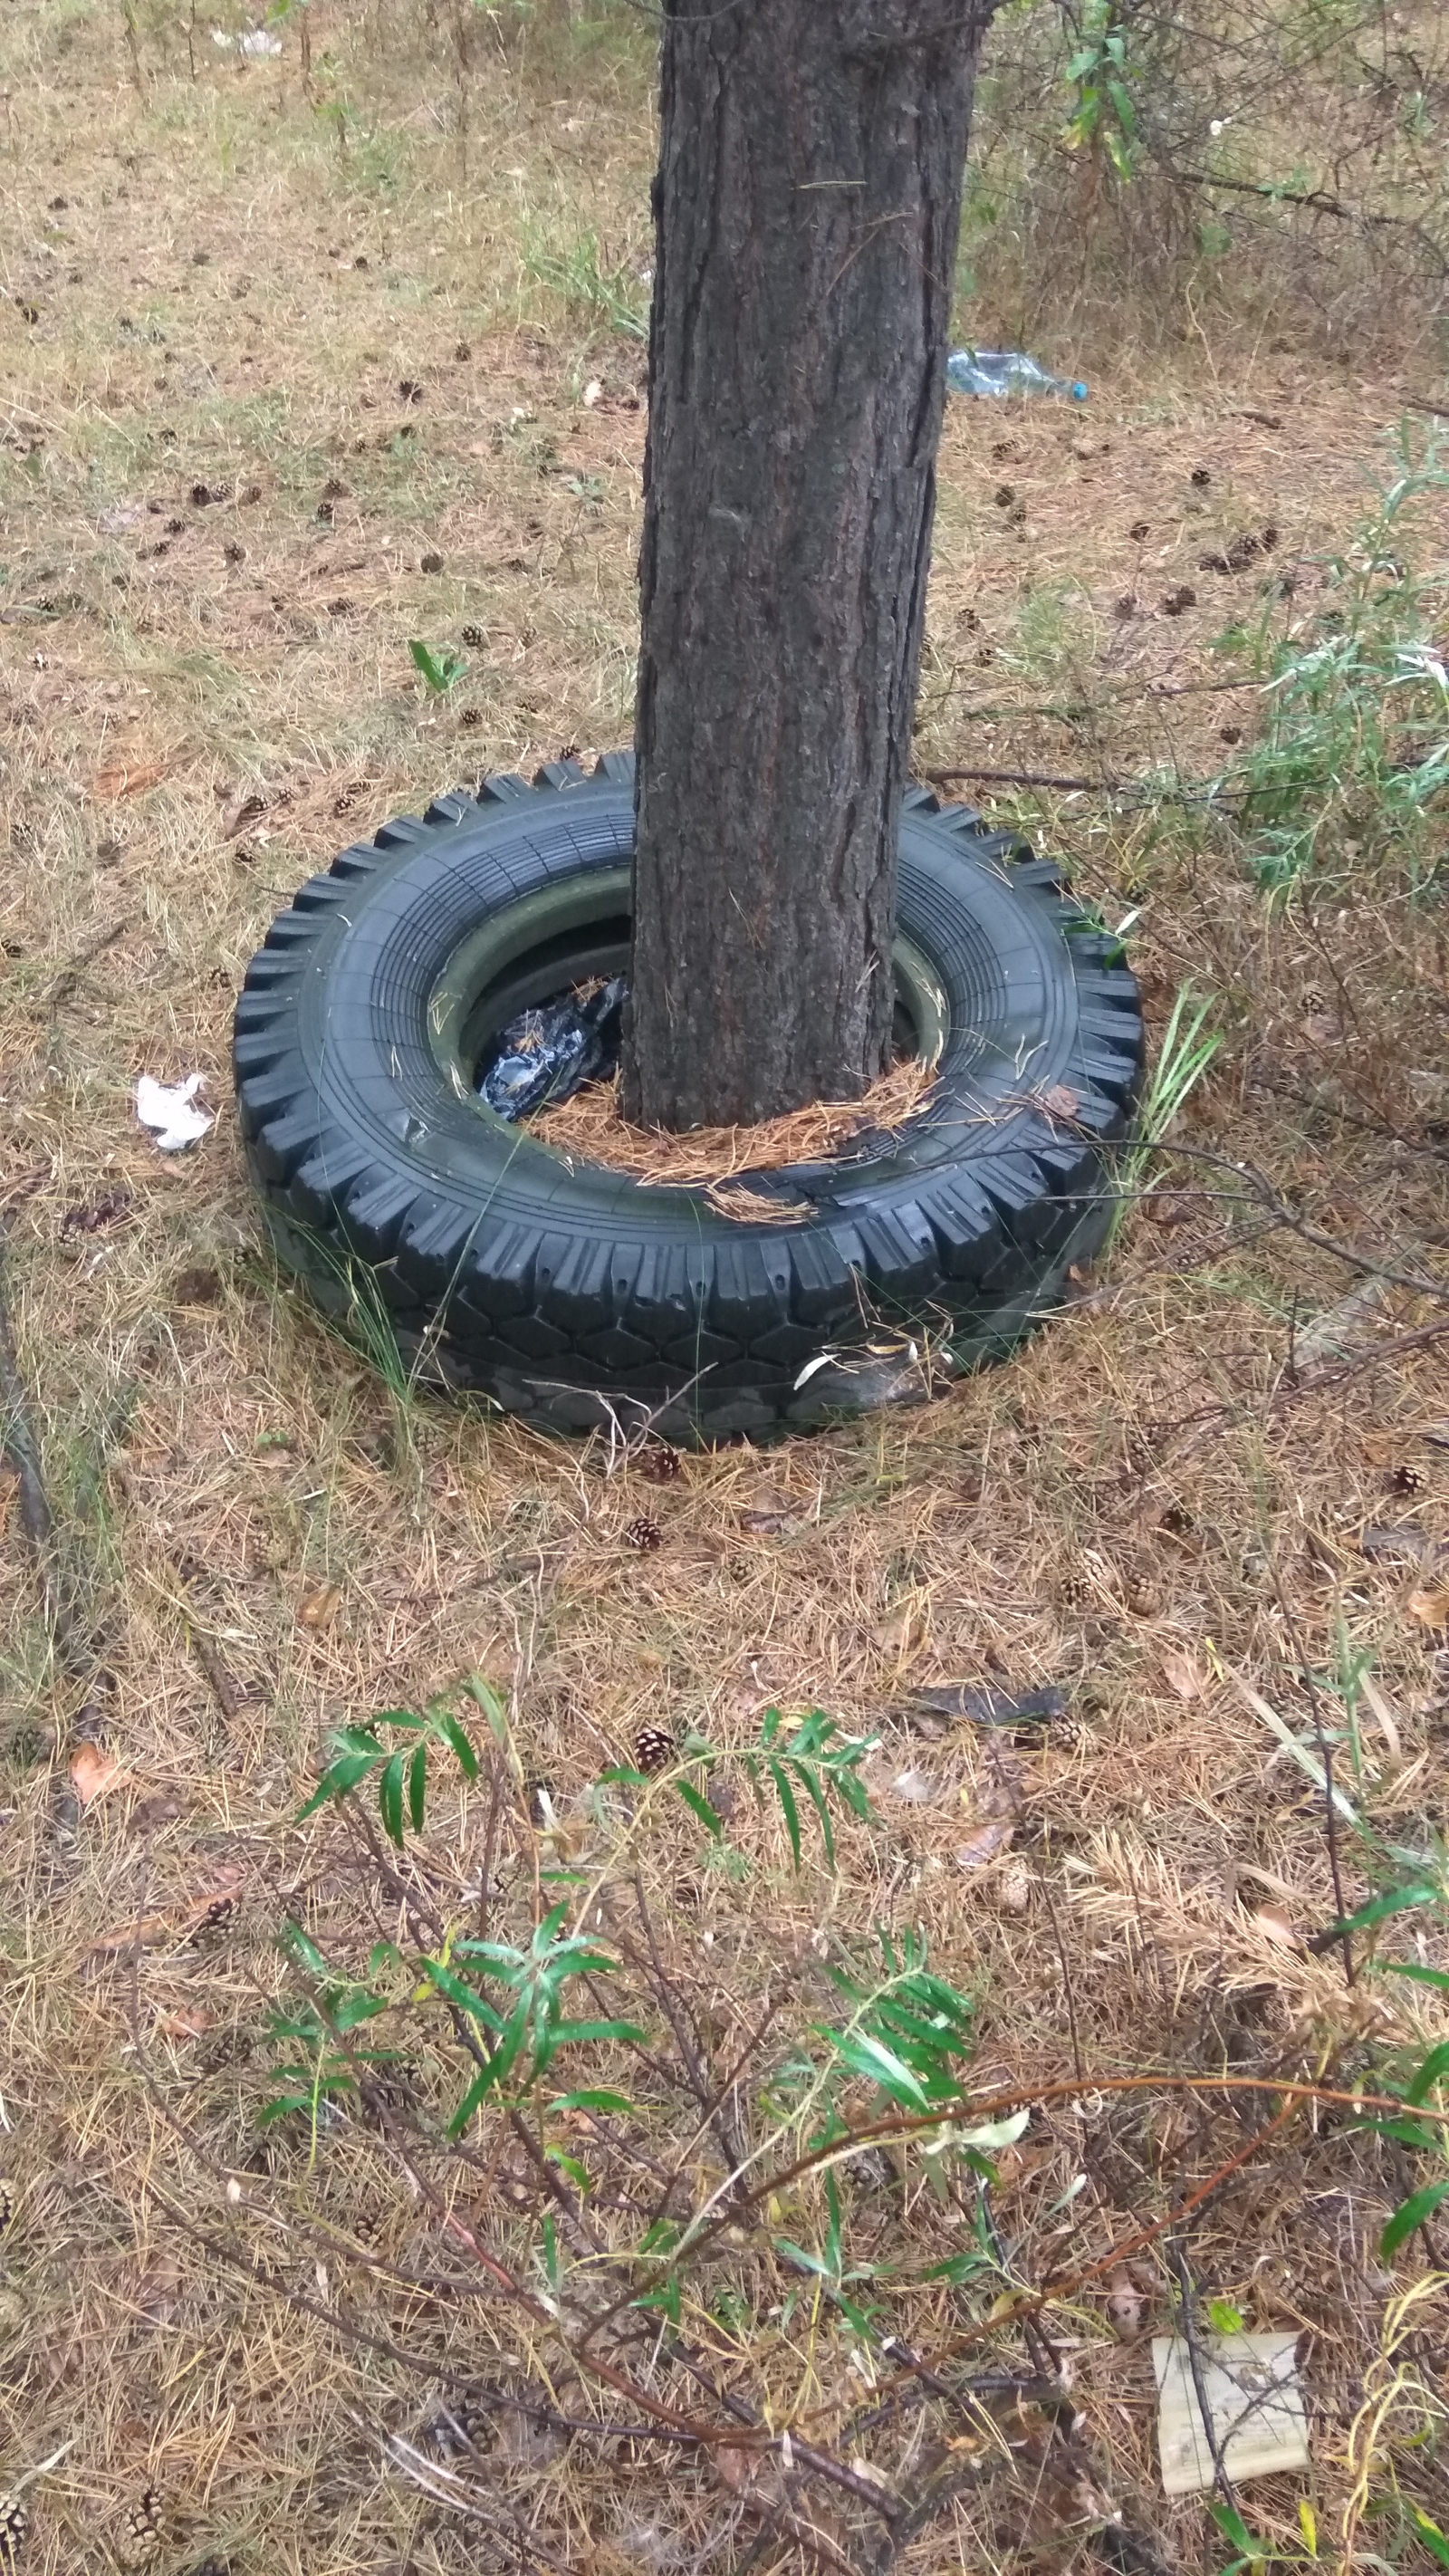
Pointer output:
x,y
390,1798
458,1739
806,1774
786,1796
699,1806
1411,2214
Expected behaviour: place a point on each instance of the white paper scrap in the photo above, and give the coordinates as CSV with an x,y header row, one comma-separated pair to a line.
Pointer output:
x,y
168,1110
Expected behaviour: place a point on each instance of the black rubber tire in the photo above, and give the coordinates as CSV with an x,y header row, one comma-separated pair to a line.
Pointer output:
x,y
573,1295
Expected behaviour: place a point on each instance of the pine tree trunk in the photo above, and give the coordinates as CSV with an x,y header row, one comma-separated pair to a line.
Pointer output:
x,y
806,213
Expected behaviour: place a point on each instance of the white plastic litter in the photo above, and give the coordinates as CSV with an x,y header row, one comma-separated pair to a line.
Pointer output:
x,y
256,41
169,1110
1255,2401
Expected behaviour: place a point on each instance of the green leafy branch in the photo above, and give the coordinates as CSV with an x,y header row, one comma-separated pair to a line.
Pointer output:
x,y
816,1758
1420,2085
322,2027
907,2033
1104,120
402,1773
525,2025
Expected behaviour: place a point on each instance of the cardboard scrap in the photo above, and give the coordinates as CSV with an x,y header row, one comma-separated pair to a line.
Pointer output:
x,y
1254,2399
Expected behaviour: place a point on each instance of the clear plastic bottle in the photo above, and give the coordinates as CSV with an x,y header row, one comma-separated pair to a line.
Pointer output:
x,y
1005,371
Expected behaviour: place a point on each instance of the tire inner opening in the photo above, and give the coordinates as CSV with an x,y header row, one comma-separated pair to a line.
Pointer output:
x,y
588,954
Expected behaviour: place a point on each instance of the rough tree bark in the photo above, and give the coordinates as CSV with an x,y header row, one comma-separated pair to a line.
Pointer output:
x,y
806,213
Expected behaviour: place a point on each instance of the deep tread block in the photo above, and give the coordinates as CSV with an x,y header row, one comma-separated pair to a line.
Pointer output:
x,y
409,832
358,863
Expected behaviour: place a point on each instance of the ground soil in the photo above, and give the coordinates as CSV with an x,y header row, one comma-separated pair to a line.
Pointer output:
x,y
281,392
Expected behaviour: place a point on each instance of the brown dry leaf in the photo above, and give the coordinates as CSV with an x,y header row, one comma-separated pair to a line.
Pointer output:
x,y
1018,2166
145,1930
1431,1609
1074,2500
985,1841
247,807
1005,1783
192,2024
903,1634
1124,2302
736,2466
915,1787
153,1813
318,1609
1382,1715
143,1933
822,2536
129,778
1276,1924
92,1772
1184,1675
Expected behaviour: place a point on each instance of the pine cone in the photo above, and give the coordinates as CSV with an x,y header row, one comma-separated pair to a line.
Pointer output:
x,y
143,2529
655,1749
658,1465
14,2525
644,1534
464,2421
217,1924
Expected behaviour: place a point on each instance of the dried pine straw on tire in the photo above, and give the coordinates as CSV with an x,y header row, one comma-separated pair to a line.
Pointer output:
x,y
590,1127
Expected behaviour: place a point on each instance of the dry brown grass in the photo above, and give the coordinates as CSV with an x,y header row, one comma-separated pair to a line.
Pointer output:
x,y
1150,1500
592,1127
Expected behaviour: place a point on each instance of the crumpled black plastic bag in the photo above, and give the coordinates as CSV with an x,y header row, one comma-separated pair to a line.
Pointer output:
x,y
545,1056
